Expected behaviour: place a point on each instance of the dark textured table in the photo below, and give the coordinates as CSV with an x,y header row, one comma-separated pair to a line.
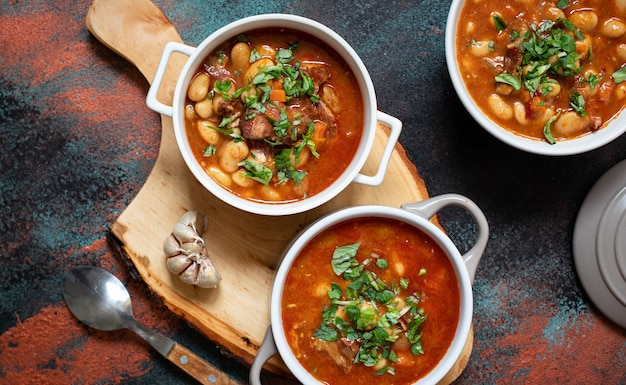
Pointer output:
x,y
78,143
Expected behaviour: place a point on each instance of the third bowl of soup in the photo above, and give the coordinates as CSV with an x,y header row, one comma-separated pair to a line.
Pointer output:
x,y
546,77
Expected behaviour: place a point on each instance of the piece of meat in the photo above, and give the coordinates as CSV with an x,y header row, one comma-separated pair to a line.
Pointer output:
x,y
342,352
257,128
319,72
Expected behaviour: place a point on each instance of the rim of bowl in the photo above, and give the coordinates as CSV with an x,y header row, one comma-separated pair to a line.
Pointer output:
x,y
293,250
611,130
315,29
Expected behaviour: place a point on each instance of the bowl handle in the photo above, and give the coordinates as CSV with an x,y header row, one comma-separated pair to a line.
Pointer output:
x,y
429,207
151,100
266,351
396,126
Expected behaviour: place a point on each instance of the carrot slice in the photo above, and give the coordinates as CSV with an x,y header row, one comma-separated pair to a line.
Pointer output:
x,y
278,95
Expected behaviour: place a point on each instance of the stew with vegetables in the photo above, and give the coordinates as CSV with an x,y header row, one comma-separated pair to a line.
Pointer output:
x,y
547,70
370,300
274,115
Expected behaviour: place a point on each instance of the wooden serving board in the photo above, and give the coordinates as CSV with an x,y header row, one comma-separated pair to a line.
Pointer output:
x,y
245,248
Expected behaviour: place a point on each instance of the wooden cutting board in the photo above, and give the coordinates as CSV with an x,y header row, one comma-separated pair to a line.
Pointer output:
x,y
244,247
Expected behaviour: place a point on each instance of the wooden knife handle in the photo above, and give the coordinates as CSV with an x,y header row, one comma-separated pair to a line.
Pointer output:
x,y
197,367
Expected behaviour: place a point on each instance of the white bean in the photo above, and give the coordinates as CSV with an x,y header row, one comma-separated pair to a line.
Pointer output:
x,y
499,107
584,20
190,113
266,51
470,27
330,98
240,56
241,180
613,28
253,70
204,108
621,51
480,48
270,194
555,13
199,87
620,91
520,113
570,124
220,176
210,135
231,153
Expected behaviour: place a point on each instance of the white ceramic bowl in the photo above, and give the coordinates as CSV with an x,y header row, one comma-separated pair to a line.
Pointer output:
x,y
196,57
415,214
615,128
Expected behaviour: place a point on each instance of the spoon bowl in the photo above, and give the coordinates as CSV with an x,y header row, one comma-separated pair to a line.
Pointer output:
x,y
100,300
97,298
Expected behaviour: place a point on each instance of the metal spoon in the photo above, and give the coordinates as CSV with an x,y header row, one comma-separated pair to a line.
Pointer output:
x,y
100,300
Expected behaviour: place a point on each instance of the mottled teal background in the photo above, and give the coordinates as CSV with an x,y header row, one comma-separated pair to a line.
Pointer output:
x,y
78,142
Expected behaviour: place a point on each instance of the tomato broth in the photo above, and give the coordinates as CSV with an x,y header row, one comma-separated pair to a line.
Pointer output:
x,y
274,115
413,264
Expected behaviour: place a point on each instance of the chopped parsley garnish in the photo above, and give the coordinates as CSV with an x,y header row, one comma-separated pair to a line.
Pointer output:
x,y
546,50
369,311
511,80
256,171
562,4
619,75
578,103
209,151
285,169
546,129
499,23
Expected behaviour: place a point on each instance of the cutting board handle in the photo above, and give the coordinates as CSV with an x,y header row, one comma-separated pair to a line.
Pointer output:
x,y
138,31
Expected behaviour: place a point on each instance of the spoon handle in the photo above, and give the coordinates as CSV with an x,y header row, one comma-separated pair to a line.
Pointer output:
x,y
197,367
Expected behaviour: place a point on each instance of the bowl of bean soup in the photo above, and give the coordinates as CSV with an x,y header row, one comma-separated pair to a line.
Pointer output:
x,y
373,294
274,114
547,77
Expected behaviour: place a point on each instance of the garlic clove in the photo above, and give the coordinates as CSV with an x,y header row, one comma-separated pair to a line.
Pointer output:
x,y
208,277
196,220
186,234
189,275
171,246
192,248
179,263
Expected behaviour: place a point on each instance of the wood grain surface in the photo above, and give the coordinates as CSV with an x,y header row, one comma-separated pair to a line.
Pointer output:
x,y
245,248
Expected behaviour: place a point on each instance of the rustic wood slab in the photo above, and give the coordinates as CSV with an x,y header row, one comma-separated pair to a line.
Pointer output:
x,y
244,247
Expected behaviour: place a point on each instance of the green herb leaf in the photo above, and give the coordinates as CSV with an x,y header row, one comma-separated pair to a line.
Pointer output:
x,y
511,80
619,75
256,171
546,130
382,263
209,151
326,333
222,88
343,257
254,55
499,23
562,4
577,101
284,55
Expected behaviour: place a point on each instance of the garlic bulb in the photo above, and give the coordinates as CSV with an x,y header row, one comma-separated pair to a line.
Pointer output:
x,y
186,253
